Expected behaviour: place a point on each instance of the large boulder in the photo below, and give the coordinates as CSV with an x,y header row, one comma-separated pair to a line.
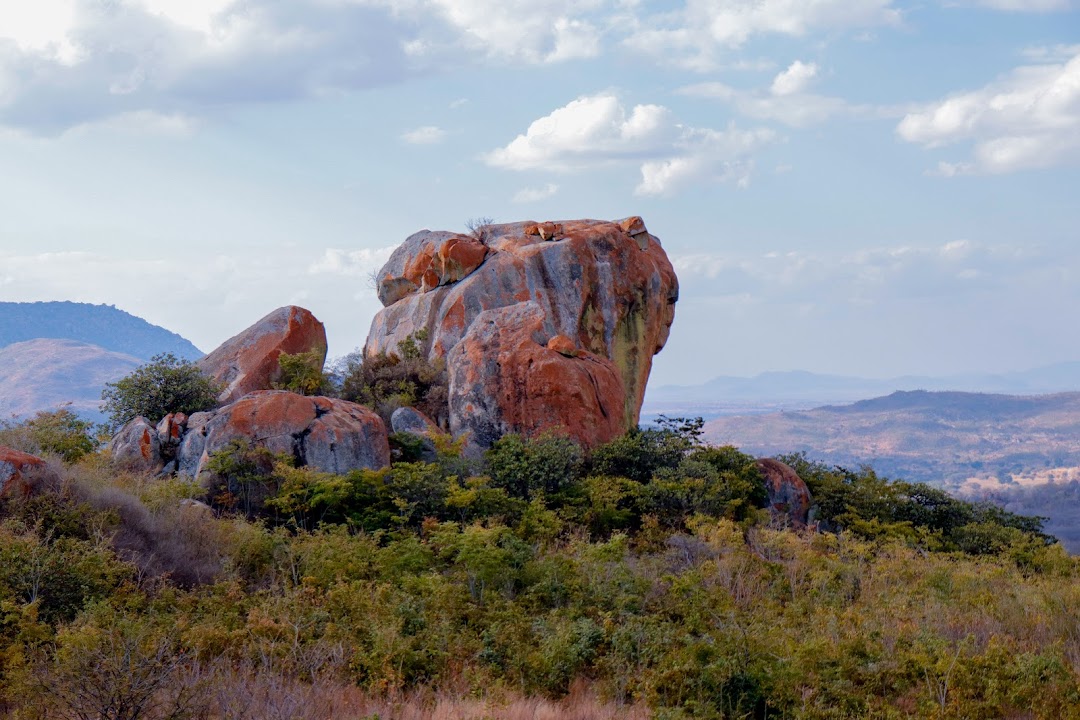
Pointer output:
x,y
323,433
19,471
607,288
137,446
789,498
504,378
249,361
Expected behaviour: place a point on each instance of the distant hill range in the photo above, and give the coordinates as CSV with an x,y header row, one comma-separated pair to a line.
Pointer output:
x,y
103,325
1022,452
46,373
944,438
804,390
56,353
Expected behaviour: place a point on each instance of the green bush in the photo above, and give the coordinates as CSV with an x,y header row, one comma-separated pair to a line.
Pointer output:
x,y
405,378
164,385
303,373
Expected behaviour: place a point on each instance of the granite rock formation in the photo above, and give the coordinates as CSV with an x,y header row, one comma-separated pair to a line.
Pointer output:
x,y
587,302
323,433
19,471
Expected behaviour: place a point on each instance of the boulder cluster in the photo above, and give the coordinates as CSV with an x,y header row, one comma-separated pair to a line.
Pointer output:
x,y
324,433
541,327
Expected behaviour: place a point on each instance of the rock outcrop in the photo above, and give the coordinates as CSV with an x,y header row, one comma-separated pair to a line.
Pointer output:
x,y
249,361
323,433
19,471
789,497
594,299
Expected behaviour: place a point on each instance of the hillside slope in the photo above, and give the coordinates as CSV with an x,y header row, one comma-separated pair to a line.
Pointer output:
x,y
944,438
103,325
45,373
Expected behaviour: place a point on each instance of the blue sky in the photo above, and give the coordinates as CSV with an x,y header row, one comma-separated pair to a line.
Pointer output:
x,y
848,186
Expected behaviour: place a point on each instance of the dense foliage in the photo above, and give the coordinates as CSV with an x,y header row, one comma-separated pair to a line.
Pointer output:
x,y
50,432
648,572
164,385
387,381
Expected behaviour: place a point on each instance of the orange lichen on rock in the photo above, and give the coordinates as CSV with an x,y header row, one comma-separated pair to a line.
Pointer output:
x,y
249,361
789,498
325,433
504,378
608,287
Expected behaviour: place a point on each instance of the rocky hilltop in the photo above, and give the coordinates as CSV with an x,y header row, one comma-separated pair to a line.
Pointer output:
x,y
541,325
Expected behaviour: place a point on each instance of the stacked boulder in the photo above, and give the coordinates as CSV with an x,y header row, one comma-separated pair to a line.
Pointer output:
x,y
324,433
543,326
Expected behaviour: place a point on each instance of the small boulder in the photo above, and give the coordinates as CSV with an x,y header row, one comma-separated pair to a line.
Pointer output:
x,y
137,447
427,260
412,422
249,361
324,433
19,471
788,495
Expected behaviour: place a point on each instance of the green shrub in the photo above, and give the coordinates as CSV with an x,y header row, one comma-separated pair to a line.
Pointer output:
x,y
303,373
405,378
164,385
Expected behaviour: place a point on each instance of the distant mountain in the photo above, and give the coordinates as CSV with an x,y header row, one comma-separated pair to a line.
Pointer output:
x,y
802,390
944,438
44,374
103,325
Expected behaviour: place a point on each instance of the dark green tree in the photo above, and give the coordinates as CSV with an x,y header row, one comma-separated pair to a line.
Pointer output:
x,y
164,385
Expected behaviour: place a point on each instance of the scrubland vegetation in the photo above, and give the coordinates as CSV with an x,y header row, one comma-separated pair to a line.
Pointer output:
x,y
643,580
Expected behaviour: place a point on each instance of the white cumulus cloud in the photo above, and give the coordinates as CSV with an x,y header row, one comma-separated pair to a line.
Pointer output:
x,y
796,78
696,34
65,63
1027,119
598,130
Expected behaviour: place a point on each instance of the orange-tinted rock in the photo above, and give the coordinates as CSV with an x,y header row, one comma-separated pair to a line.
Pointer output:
x,y
504,379
249,361
564,346
788,495
19,471
427,260
607,287
137,446
323,433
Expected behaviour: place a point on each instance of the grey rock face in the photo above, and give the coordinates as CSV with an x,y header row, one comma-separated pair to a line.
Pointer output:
x,y
137,447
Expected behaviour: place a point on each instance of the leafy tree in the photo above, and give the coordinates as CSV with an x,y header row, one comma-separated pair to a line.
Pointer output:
x,y
164,385
62,432
302,373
